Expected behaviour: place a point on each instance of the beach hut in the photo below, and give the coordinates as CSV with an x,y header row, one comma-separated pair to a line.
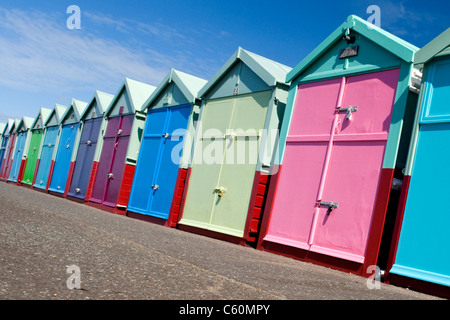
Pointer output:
x,y
9,149
171,111
227,175
82,160
348,120
112,174
37,130
420,248
61,163
20,149
41,179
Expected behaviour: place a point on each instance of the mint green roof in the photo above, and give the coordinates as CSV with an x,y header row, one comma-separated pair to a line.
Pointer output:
x,y
400,48
2,128
9,127
269,71
59,111
45,115
188,84
24,124
103,100
439,46
78,108
138,92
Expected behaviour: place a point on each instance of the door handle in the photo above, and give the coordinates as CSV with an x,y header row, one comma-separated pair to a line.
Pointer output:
x,y
155,187
330,205
349,111
110,175
119,131
88,142
165,135
220,191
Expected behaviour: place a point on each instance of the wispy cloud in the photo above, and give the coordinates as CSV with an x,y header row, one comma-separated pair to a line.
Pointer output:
x,y
38,53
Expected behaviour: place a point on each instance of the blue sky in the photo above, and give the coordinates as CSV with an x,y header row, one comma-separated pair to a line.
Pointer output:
x,y
42,62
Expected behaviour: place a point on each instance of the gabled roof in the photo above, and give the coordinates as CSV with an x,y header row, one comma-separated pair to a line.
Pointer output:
x,y
2,128
45,115
103,100
269,71
78,108
188,84
400,48
59,111
25,123
10,126
437,47
138,93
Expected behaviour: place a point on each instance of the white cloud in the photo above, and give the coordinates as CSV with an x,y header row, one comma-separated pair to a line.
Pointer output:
x,y
38,53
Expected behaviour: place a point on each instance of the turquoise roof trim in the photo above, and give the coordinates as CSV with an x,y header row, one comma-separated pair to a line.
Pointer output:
x,y
269,71
436,47
400,48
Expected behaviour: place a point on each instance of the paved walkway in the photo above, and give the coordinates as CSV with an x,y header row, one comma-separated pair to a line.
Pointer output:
x,y
120,258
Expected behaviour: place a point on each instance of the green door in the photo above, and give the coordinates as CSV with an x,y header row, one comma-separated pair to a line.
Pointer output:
x,y
224,163
33,152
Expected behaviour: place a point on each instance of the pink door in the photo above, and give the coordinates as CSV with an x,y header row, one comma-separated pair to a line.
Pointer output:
x,y
334,153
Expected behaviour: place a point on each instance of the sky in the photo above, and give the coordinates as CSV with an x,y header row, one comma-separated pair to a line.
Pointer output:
x,y
43,62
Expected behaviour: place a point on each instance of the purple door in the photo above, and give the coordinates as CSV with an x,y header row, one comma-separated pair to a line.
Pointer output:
x,y
85,158
112,160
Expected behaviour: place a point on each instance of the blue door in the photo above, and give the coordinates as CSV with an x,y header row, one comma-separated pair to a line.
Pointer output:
x,y
18,153
45,159
423,249
159,159
63,157
85,158
3,149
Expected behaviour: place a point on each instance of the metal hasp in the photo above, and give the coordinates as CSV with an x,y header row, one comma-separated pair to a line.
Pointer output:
x,y
330,205
349,111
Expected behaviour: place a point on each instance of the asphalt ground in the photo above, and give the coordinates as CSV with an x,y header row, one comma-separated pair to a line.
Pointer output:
x,y
121,258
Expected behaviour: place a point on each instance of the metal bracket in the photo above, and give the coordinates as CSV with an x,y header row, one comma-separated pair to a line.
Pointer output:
x,y
348,110
330,205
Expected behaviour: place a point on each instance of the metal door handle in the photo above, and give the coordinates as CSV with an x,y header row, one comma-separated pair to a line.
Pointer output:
x,y
110,175
89,142
165,135
155,187
349,111
119,131
330,205
221,191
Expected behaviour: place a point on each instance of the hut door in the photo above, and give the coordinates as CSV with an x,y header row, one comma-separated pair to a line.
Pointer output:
x,y
112,161
33,153
6,165
85,157
169,156
46,156
63,157
219,188
332,164
18,153
3,149
157,169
